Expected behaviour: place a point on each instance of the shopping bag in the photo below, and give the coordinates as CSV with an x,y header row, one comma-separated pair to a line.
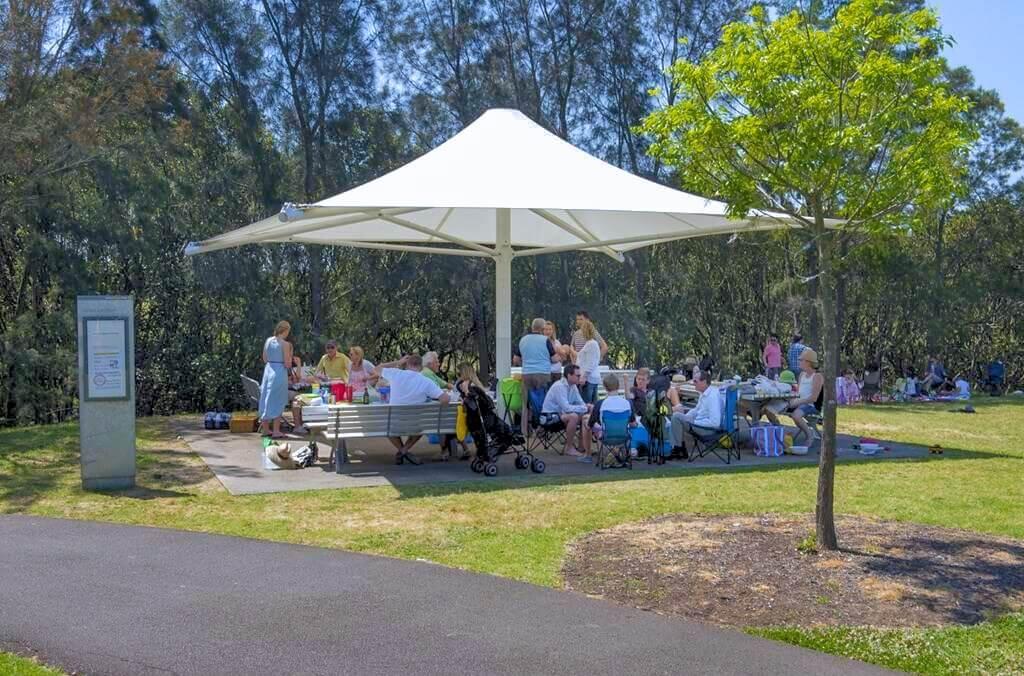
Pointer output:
x,y
768,440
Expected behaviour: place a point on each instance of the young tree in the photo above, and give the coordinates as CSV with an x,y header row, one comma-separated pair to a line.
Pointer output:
x,y
851,120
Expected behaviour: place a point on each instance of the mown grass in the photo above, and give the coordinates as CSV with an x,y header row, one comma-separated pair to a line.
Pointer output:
x,y
15,665
520,530
995,647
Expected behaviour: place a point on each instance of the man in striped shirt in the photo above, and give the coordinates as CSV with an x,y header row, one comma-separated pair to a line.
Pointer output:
x,y
578,341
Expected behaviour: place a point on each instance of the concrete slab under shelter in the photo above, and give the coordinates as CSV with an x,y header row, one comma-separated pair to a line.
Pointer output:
x,y
236,460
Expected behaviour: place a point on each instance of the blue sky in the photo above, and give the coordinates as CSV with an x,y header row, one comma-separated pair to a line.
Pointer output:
x,y
989,38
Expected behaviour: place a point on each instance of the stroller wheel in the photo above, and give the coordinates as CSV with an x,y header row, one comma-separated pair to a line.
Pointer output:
x,y
490,469
522,461
477,465
537,466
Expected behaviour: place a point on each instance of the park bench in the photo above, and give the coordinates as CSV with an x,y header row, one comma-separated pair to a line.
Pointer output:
x,y
340,422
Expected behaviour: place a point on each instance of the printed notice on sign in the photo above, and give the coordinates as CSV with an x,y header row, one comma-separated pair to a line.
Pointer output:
x,y
106,361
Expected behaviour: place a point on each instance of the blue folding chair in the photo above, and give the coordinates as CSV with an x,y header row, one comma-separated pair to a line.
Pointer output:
x,y
724,439
543,434
613,449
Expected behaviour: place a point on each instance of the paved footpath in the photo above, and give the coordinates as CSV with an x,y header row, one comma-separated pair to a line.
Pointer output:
x,y
108,599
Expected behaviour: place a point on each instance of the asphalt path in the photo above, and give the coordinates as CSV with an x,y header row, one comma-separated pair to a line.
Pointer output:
x,y
99,598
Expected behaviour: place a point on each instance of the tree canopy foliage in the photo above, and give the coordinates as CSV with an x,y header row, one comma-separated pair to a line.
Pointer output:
x,y
132,127
850,120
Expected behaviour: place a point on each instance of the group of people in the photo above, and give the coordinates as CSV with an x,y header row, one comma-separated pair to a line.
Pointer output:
x,y
570,374
412,380
851,387
285,375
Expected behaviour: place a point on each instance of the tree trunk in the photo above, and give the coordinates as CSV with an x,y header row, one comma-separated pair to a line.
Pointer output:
x,y
483,344
811,324
825,526
316,286
938,295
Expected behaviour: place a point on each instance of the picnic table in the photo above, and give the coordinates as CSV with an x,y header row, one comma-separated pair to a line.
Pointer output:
x,y
688,391
341,422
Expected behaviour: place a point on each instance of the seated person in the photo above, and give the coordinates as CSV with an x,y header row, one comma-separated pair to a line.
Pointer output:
x,y
703,419
563,402
934,376
847,389
333,365
963,388
360,370
409,386
810,394
613,403
910,390
644,386
431,367
872,383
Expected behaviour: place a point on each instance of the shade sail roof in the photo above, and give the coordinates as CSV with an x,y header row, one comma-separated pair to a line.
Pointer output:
x,y
560,199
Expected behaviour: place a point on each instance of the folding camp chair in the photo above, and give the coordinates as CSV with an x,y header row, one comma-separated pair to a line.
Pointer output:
x,y
511,392
724,438
613,449
252,391
544,434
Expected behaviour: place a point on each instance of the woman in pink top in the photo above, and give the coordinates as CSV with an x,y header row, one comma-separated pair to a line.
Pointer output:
x,y
360,371
771,357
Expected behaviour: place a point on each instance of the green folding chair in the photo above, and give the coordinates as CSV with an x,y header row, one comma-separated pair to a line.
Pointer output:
x,y
511,392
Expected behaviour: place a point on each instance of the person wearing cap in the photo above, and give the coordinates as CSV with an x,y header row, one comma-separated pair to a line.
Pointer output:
x,y
333,365
810,393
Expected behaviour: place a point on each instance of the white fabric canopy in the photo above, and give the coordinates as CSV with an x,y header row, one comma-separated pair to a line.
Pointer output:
x,y
503,187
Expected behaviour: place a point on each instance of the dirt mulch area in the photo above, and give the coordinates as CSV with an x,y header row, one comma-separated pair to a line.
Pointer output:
x,y
747,571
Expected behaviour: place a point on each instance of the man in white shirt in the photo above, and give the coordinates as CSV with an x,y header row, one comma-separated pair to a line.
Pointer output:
x,y
703,419
563,401
409,386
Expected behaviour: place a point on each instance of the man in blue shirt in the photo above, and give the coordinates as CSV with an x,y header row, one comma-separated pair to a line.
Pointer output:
x,y
537,354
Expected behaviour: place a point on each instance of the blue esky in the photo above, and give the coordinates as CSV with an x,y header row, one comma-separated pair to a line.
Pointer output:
x,y
989,38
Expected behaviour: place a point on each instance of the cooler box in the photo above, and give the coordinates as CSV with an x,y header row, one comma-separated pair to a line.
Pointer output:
x,y
243,423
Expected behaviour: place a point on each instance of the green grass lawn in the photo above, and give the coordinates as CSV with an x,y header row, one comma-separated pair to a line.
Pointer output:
x,y
14,665
520,530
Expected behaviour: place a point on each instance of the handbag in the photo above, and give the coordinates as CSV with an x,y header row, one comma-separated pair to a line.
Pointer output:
x,y
461,426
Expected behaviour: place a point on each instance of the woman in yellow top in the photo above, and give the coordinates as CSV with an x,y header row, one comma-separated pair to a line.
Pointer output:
x,y
334,365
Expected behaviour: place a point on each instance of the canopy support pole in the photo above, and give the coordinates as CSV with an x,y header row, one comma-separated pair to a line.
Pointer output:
x,y
504,253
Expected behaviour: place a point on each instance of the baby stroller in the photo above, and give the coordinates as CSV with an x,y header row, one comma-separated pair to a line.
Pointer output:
x,y
494,437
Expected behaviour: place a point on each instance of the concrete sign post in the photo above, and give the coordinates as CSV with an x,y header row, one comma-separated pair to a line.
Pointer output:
x,y
106,391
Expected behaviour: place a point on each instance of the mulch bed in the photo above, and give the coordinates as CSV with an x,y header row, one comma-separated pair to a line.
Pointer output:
x,y
747,571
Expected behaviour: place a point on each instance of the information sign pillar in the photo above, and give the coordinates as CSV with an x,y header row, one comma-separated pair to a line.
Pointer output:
x,y
106,391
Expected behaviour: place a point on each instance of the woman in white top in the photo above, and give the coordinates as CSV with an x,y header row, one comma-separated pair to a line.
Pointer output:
x,y
588,359
810,393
